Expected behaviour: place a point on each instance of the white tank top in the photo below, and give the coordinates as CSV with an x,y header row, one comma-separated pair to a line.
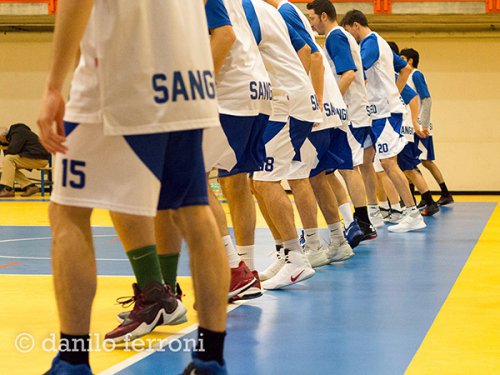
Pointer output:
x,y
243,85
148,81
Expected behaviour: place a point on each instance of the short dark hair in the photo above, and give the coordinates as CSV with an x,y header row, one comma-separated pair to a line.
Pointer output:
x,y
323,6
354,16
394,47
410,53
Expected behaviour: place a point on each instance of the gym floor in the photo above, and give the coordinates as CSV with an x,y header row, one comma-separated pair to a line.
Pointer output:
x,y
415,303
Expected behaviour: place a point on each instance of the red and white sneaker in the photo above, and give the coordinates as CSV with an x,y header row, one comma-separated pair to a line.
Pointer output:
x,y
255,291
127,301
241,279
153,306
296,269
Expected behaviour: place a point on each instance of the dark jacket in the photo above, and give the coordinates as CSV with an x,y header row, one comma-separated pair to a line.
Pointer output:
x,y
25,143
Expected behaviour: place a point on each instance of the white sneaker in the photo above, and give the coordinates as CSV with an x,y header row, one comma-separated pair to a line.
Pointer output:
x,y
408,223
337,252
295,270
316,255
274,268
376,218
395,217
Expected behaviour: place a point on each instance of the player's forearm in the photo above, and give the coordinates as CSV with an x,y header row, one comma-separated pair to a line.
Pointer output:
x,y
345,81
305,57
71,21
317,75
221,41
403,77
425,115
414,108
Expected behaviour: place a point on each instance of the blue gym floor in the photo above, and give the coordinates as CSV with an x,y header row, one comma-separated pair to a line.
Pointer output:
x,y
368,315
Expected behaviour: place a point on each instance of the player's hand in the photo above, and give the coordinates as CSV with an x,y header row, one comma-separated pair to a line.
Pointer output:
x,y
52,111
421,134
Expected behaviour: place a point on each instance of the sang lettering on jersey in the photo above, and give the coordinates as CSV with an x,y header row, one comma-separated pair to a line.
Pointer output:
x,y
405,129
261,90
185,86
330,111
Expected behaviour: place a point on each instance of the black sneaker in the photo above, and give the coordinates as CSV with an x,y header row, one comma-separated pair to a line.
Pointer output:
x,y
430,209
445,199
368,230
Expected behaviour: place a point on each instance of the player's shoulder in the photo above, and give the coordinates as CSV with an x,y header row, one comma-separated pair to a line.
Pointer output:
x,y
418,74
370,41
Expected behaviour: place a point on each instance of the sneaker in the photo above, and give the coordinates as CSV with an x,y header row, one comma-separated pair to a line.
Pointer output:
x,y
274,268
430,209
241,279
376,218
30,190
60,367
385,212
395,217
409,223
338,252
354,234
155,305
255,291
445,199
296,269
316,256
199,367
369,232
6,193
127,301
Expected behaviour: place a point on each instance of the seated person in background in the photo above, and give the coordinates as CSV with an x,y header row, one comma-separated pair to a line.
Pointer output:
x,y
24,152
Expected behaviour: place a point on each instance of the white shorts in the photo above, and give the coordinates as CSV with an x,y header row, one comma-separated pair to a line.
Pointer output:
x,y
125,173
387,137
283,143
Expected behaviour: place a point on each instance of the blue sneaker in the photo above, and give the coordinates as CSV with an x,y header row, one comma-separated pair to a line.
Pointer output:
x,y
302,240
354,234
199,367
65,368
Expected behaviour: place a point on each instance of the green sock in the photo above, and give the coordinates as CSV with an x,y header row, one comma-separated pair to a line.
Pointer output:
x,y
168,265
146,266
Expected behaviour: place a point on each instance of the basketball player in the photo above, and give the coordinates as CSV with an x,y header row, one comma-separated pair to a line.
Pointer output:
x,y
387,110
154,121
425,141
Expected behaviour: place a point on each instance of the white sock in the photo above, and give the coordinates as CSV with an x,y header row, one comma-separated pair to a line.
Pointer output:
x,y
396,207
345,210
312,237
336,232
292,245
232,255
246,254
384,205
413,211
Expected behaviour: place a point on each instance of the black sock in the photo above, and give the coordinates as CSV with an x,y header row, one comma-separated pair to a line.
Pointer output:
x,y
279,247
75,349
427,197
210,345
361,213
8,188
412,190
444,189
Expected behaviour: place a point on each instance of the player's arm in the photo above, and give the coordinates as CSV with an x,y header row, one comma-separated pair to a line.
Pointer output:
x,y
305,57
425,98
337,46
403,69
221,30
410,98
301,47
70,25
318,76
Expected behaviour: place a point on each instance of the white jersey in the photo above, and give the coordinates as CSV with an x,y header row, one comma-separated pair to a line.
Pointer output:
x,y
243,85
148,82
378,61
293,94
407,127
355,97
334,107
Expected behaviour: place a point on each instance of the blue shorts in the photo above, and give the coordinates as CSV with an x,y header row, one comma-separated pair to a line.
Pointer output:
x,y
426,145
362,135
237,148
136,174
408,159
386,136
323,153
348,147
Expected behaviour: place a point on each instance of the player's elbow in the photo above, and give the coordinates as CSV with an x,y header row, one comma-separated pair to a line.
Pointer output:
x,y
405,71
317,61
225,35
305,50
350,76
